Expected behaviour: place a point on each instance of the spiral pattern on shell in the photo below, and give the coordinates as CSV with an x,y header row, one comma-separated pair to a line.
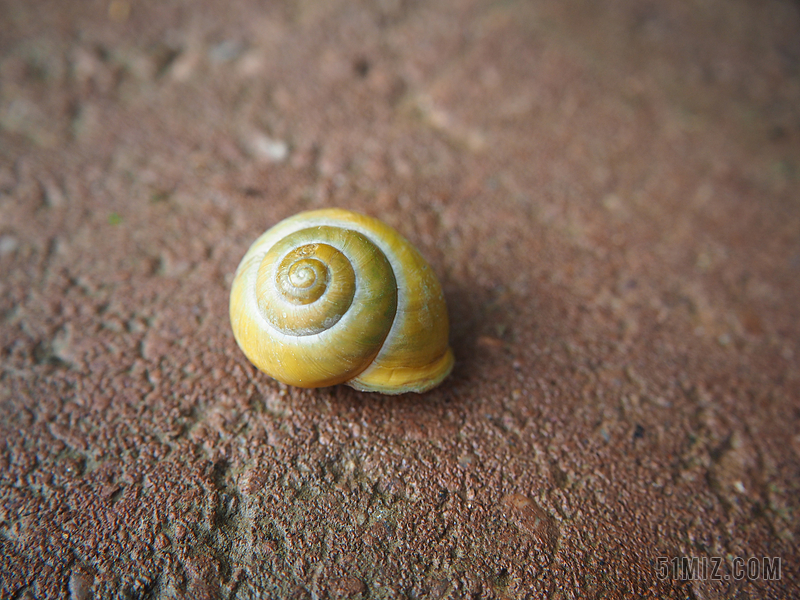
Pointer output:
x,y
331,296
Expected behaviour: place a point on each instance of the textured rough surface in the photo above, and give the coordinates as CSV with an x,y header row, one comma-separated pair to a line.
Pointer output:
x,y
609,194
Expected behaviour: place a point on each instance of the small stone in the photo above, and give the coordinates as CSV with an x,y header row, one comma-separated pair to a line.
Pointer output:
x,y
8,243
268,149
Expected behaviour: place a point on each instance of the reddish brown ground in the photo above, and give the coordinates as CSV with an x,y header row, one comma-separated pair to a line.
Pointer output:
x,y
610,193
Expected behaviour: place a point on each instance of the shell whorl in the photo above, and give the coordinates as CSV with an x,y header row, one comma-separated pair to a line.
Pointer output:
x,y
331,296
307,282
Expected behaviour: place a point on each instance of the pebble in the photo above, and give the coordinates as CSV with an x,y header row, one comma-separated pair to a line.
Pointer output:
x,y
8,243
268,149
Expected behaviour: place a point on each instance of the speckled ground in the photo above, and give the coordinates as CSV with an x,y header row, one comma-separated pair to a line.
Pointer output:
x,y
610,194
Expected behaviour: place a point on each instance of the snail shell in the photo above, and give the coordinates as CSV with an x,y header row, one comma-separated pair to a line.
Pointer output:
x,y
331,296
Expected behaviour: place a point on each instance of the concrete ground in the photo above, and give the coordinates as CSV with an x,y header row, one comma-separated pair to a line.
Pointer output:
x,y
610,195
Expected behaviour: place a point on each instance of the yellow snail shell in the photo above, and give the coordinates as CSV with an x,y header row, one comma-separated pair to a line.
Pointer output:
x,y
331,296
